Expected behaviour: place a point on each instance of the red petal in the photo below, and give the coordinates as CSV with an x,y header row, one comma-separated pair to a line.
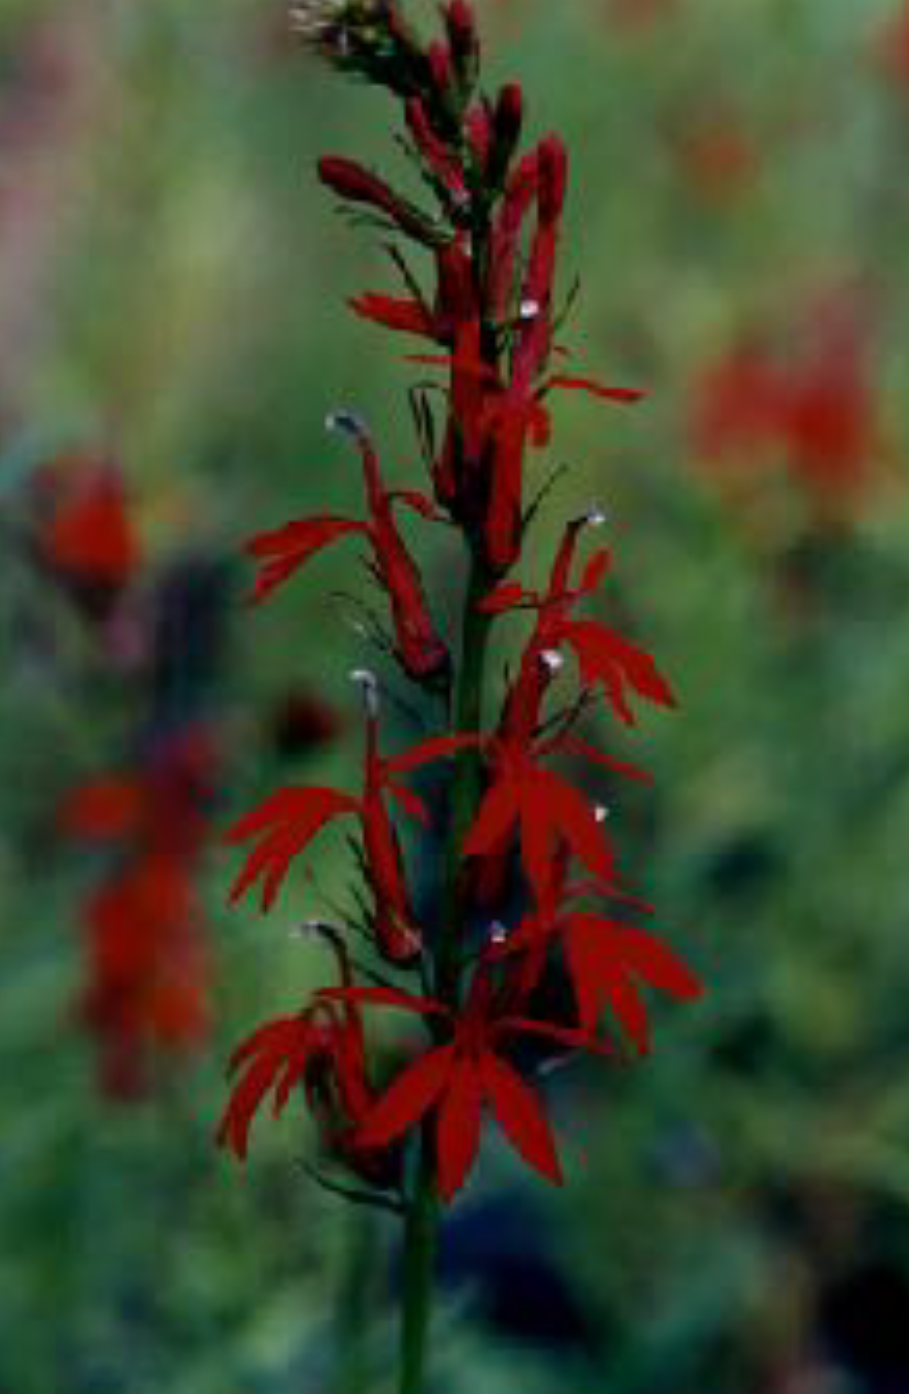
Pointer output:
x,y
280,1044
602,956
521,1116
656,962
606,657
286,549
407,316
538,839
612,394
563,1035
236,1122
281,1028
289,820
577,823
505,597
433,749
596,568
586,970
409,1097
420,503
293,804
458,1128
385,997
573,745
629,1007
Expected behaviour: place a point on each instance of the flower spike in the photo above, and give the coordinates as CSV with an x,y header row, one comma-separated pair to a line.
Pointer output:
x,y
506,923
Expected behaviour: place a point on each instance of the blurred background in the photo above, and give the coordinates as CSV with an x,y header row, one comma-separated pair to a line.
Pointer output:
x,y
172,336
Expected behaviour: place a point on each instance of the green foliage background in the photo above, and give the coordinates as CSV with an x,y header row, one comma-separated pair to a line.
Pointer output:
x,y
171,288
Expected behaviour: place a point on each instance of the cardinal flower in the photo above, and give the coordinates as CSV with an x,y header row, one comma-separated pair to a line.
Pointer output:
x,y
608,960
457,1078
148,972
85,534
544,809
605,658
319,1052
418,647
288,821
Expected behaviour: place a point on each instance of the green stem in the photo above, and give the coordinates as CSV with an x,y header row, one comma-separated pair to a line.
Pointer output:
x,y
355,1302
421,1234
420,1242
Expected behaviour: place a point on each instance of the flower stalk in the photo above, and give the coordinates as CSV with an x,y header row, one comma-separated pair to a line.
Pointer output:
x,y
515,827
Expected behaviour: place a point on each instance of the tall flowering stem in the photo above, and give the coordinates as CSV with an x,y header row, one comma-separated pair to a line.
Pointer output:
x,y
487,963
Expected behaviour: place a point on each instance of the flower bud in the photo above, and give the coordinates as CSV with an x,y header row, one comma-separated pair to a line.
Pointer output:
x,y
463,39
439,58
352,182
461,24
479,133
507,121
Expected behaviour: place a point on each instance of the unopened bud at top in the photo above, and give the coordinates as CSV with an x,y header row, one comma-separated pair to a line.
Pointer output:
x,y
507,120
330,26
461,25
315,20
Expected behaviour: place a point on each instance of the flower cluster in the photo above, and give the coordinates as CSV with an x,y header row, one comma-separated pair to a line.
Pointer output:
x,y
152,640
148,972
531,898
811,409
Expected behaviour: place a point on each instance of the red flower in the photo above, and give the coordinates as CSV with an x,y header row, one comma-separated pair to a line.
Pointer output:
x,y
419,649
148,976
545,809
607,960
813,408
320,1050
604,657
86,535
405,316
275,1057
288,821
148,971
456,1079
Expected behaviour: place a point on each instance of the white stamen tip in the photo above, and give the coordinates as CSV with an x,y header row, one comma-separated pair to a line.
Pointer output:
x,y
370,685
306,928
596,518
348,422
497,932
601,813
553,660
530,309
